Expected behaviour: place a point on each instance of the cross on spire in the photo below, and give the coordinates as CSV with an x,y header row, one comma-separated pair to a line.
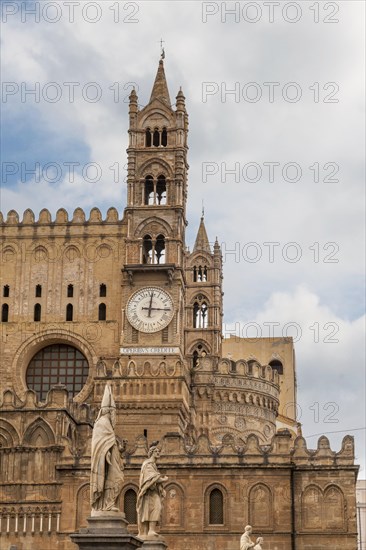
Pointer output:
x,y
162,51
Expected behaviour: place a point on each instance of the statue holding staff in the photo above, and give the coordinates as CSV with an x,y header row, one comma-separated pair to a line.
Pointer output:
x,y
106,476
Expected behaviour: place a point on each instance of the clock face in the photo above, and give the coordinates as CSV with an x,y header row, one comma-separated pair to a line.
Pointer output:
x,y
150,309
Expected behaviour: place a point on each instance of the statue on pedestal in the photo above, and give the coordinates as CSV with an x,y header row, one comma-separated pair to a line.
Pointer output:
x,y
245,541
151,495
106,477
259,543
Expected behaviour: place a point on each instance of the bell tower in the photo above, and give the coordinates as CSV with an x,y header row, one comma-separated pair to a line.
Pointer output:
x,y
153,288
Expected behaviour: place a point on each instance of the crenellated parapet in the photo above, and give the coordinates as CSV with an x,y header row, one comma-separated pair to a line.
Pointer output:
x,y
281,450
62,217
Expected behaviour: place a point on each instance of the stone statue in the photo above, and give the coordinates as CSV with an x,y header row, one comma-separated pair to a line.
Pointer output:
x,y
151,495
245,541
259,543
106,476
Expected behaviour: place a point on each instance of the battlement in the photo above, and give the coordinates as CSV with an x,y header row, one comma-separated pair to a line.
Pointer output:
x,y
62,218
282,450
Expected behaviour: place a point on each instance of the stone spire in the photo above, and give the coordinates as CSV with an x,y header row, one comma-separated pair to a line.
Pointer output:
x,y
160,88
202,242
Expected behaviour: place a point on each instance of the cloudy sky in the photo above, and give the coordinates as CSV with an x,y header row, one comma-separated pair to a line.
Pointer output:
x,y
274,92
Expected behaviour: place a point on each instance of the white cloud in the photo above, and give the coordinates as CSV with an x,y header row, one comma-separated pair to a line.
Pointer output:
x,y
224,131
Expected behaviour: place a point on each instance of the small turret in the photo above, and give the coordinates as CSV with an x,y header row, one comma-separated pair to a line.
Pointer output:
x,y
133,110
181,101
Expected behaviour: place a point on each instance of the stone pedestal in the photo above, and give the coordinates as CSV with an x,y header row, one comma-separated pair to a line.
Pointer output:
x,y
154,544
106,531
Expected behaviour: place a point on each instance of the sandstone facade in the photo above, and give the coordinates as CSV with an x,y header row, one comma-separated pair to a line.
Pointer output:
x,y
223,411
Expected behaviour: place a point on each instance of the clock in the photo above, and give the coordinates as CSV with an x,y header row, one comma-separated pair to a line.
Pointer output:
x,y
150,309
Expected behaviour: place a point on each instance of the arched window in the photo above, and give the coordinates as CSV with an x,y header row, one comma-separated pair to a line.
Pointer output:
x,y
57,364
153,252
5,313
216,512
129,502
161,190
6,291
160,249
200,274
70,291
156,138
69,312
277,365
102,312
38,291
164,137
37,313
103,290
149,190
147,250
148,137
200,313
198,352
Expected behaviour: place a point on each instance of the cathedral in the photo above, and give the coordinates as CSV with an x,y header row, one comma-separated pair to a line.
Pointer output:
x,y
86,301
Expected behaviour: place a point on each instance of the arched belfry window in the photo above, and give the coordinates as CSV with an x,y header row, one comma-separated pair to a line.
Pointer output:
x,y
216,507
57,364
38,291
147,250
149,190
129,501
164,137
160,249
103,290
277,365
156,138
153,251
70,291
148,137
200,313
161,190
198,352
6,291
200,274
155,191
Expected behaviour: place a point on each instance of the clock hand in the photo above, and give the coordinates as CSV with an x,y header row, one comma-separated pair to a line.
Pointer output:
x,y
149,308
156,309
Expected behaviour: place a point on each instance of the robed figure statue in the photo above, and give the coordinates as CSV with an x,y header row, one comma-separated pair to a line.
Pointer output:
x,y
151,495
246,542
106,477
